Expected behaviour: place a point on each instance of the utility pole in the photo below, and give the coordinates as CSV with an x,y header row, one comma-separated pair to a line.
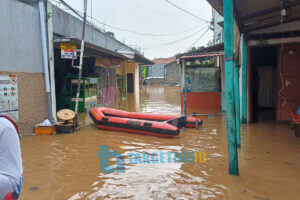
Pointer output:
x,y
81,56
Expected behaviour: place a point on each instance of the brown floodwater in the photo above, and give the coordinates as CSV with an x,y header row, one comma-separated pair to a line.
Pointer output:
x,y
67,166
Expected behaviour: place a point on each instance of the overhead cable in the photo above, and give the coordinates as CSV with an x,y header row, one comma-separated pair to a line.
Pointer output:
x,y
123,29
176,41
197,40
186,11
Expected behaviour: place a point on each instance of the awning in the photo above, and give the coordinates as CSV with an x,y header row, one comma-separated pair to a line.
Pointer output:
x,y
143,60
90,49
211,51
133,55
203,55
253,16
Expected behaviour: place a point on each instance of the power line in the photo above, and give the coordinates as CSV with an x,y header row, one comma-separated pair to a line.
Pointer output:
x,y
147,9
176,41
197,40
186,11
122,29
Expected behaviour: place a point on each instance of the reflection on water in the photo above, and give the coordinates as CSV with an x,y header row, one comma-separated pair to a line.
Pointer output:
x,y
67,166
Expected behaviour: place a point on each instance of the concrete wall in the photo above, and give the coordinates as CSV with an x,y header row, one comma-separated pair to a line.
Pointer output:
x,y
157,70
21,55
31,99
172,73
155,81
20,46
202,100
69,26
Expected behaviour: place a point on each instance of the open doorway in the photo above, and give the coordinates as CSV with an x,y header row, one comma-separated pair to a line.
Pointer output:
x,y
263,83
130,87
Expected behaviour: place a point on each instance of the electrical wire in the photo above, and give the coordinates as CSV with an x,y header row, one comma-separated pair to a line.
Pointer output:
x,y
147,9
145,34
186,11
280,60
196,41
78,13
176,41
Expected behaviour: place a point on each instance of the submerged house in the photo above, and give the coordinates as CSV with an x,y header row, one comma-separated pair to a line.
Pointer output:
x,y
172,73
110,68
40,72
267,33
262,68
156,72
203,73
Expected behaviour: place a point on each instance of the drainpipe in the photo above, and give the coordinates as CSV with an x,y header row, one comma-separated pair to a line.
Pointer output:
x,y
45,58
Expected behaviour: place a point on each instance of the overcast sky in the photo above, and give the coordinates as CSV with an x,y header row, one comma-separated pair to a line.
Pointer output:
x,y
152,17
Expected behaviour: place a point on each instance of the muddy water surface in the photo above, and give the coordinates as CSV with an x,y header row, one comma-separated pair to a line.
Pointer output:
x,y
67,166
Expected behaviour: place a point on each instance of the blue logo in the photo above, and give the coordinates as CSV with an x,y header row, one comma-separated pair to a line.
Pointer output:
x,y
145,158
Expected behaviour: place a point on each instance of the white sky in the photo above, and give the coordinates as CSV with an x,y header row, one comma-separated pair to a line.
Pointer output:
x,y
154,17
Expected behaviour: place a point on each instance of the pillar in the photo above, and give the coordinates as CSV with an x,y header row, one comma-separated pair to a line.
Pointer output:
x,y
183,85
229,82
237,104
244,101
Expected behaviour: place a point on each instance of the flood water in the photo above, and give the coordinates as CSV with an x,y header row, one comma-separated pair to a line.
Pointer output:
x,y
67,166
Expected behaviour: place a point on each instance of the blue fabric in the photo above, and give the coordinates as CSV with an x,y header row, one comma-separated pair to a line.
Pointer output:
x,y
298,110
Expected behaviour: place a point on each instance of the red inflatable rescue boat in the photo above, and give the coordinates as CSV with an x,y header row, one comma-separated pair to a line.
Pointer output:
x,y
141,123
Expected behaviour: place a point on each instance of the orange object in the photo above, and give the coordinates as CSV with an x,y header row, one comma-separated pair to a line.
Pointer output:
x,y
44,130
140,123
295,117
202,100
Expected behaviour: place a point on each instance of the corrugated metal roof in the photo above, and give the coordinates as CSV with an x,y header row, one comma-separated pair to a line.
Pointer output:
x,y
256,15
211,51
213,54
163,60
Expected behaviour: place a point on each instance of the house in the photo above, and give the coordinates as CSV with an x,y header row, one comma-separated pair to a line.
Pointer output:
x,y
172,73
156,72
39,76
270,52
202,73
261,50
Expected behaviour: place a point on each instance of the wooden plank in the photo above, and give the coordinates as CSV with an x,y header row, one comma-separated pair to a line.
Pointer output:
x,y
244,117
273,41
229,82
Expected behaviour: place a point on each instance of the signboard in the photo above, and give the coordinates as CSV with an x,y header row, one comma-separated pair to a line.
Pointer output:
x,y
107,62
9,96
68,51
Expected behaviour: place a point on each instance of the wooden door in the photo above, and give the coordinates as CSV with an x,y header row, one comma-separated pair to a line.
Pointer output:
x,y
288,92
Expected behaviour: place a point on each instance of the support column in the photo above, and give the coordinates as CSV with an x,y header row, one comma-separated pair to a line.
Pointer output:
x,y
237,104
244,101
183,86
51,60
229,82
